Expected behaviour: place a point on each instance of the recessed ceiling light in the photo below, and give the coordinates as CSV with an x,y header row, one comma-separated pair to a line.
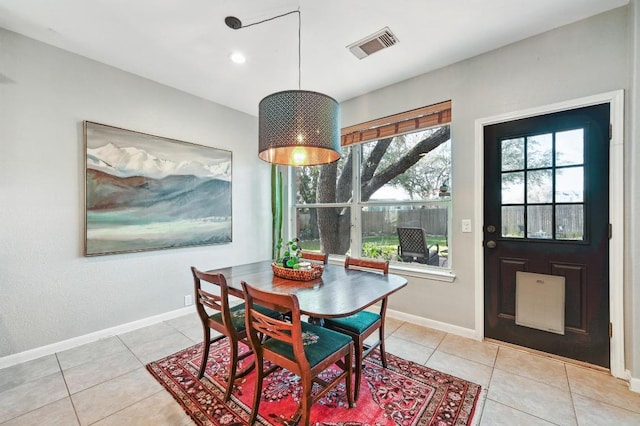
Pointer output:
x,y
238,58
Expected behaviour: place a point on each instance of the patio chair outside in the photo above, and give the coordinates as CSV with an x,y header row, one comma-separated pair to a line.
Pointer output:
x,y
413,247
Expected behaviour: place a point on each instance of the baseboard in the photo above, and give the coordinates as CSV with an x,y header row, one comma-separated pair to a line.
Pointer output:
x,y
634,384
436,325
41,351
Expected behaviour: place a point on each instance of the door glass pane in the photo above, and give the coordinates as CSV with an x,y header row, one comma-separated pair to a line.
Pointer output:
x,y
539,151
513,188
539,222
539,171
539,186
570,222
513,154
570,185
513,221
570,147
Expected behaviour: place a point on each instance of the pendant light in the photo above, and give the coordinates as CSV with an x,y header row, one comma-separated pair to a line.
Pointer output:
x,y
296,127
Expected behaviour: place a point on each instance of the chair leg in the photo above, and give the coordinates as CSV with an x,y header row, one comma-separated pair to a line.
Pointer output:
x,y
358,352
305,403
349,368
383,351
233,363
205,353
257,391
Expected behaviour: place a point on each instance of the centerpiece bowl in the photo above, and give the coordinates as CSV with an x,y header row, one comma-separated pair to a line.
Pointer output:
x,y
298,274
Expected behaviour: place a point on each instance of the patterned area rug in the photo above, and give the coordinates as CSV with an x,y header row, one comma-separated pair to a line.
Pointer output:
x,y
405,393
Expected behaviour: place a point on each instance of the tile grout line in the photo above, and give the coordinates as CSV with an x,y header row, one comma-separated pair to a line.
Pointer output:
x,y
66,385
128,406
573,402
564,365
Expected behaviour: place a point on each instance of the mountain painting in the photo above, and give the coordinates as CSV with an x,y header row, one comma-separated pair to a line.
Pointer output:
x,y
146,192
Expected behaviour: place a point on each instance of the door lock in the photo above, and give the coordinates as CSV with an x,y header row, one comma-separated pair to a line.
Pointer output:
x,y
490,244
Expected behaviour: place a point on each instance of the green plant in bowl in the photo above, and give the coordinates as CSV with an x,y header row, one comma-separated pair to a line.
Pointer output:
x,y
291,256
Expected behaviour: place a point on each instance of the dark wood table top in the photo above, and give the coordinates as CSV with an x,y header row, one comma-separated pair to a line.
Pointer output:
x,y
339,292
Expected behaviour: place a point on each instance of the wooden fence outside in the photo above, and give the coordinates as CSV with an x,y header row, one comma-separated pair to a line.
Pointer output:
x,y
385,221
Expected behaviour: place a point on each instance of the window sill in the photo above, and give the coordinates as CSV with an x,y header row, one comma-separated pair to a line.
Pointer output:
x,y
436,274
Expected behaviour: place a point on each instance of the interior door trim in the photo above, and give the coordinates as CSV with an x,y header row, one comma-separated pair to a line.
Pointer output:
x,y
616,214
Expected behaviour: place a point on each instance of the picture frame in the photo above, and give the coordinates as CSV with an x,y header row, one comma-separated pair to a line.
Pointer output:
x,y
145,192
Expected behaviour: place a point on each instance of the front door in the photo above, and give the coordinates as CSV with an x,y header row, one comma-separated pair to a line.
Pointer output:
x,y
546,211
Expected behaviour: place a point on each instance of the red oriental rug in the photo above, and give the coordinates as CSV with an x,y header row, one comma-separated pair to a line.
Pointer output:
x,y
405,393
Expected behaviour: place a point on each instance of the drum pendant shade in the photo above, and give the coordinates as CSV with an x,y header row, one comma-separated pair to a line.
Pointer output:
x,y
299,128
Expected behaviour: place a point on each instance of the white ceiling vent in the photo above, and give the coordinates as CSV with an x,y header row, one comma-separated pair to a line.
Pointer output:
x,y
373,43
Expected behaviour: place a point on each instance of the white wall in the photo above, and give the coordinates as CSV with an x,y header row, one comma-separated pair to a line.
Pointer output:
x,y
49,292
587,58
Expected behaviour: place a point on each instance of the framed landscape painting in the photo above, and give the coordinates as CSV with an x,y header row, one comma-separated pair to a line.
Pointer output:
x,y
146,192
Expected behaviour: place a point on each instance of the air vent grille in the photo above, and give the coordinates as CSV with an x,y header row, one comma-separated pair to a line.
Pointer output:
x,y
373,43
387,39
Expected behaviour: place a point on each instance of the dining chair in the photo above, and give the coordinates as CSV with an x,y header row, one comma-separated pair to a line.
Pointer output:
x,y
216,314
315,256
363,324
302,348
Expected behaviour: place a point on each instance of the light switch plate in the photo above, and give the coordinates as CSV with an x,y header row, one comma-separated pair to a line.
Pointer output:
x,y
466,225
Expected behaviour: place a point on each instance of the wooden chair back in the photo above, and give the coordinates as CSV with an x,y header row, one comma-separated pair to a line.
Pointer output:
x,y
318,257
287,328
216,302
368,264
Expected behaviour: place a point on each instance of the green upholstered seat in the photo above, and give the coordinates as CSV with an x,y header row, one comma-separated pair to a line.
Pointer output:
x,y
319,343
237,315
356,323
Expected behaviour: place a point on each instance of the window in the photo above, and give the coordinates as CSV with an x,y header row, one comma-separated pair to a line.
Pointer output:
x,y
393,173
543,186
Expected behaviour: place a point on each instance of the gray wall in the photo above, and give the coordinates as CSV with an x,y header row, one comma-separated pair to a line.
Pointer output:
x,y
632,203
587,58
49,292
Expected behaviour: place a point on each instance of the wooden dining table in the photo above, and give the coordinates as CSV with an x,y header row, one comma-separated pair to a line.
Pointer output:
x,y
338,292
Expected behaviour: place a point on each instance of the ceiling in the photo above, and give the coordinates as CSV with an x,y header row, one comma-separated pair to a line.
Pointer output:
x,y
185,44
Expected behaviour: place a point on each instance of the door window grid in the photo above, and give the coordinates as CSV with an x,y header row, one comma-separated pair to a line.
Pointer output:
x,y
543,186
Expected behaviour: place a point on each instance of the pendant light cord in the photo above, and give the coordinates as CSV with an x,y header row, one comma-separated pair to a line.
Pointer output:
x,y
299,48
271,19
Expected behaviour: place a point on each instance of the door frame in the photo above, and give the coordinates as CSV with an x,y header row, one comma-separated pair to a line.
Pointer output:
x,y
616,213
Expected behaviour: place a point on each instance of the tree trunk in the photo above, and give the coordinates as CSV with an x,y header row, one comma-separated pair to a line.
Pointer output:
x,y
328,217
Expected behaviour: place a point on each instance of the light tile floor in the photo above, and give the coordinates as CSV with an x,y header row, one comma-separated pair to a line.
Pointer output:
x,y
106,383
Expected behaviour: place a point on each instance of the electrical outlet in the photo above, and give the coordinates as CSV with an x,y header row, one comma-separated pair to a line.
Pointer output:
x,y
188,300
466,225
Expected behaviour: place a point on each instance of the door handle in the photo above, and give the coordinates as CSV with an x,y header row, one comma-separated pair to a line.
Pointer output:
x,y
490,244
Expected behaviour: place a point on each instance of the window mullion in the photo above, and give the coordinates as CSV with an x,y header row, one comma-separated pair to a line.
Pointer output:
x,y
290,218
356,210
